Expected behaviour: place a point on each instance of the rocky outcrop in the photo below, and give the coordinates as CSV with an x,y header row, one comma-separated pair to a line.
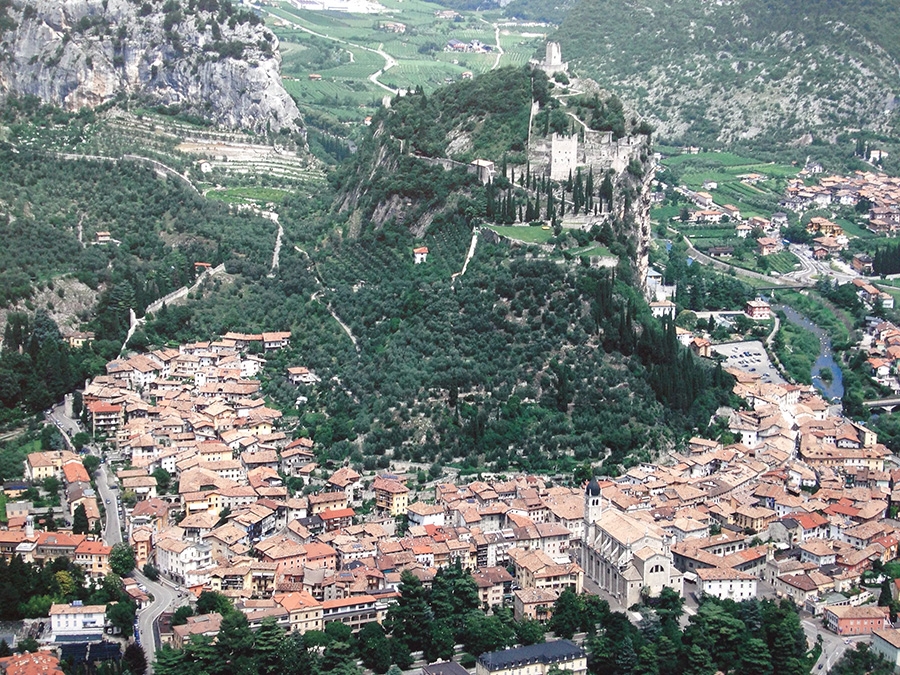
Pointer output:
x,y
208,58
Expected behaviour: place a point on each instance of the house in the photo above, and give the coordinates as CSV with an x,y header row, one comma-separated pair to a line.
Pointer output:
x,y
768,246
537,659
420,254
204,624
863,264
301,375
77,619
391,495
534,603
315,77
77,339
720,251
732,211
276,340
886,641
483,168
93,557
31,663
355,611
701,347
758,309
726,583
663,308
743,230
103,237
862,620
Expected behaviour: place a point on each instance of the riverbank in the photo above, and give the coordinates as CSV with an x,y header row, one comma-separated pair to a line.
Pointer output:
x,y
806,352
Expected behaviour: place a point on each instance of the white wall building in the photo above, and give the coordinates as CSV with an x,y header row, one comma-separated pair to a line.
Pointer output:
x,y
77,619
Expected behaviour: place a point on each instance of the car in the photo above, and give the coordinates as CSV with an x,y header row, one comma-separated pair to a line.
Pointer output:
x,y
107,501
846,641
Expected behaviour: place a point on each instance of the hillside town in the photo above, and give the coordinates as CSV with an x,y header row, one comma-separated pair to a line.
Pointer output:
x,y
799,506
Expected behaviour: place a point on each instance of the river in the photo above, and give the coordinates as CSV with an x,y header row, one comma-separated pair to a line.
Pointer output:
x,y
835,388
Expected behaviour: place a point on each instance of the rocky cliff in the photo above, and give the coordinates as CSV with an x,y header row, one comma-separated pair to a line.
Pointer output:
x,y
206,57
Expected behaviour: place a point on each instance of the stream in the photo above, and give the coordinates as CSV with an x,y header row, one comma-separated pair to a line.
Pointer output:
x,y
831,390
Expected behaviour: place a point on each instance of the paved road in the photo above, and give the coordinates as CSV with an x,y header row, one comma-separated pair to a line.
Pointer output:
x,y
165,595
833,646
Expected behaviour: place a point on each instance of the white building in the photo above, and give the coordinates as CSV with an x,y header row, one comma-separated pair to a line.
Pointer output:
x,y
726,583
77,619
180,559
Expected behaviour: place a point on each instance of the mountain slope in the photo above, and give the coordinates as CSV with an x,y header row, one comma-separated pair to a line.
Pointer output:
x,y
751,71
204,58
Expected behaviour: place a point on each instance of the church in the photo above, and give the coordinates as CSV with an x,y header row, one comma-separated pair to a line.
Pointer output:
x,y
624,555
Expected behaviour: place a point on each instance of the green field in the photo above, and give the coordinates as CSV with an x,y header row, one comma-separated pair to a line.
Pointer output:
x,y
725,168
248,195
342,47
525,233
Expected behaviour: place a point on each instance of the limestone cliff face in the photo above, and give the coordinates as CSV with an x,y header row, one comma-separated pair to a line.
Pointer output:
x,y
207,57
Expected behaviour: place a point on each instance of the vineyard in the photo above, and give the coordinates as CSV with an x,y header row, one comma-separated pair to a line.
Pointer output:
x,y
343,53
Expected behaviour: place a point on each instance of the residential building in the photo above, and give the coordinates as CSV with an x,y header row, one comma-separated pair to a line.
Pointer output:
x,y
77,619
862,620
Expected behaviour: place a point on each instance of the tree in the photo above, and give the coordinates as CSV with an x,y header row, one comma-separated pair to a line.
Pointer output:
x,y
529,632
211,601
135,659
121,615
180,616
150,572
483,633
4,649
453,594
163,479
755,659
235,639
80,524
29,644
374,647
121,559
410,618
169,661
885,597
267,646
91,462
566,618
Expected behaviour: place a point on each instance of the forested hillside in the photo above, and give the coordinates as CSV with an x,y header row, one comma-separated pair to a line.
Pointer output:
x,y
748,71
50,213
531,360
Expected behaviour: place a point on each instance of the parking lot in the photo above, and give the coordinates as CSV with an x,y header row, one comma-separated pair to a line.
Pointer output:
x,y
751,357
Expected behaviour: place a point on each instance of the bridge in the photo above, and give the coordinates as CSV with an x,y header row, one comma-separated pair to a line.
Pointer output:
x,y
887,404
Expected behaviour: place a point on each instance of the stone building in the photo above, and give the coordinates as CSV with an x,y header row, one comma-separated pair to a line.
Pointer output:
x,y
624,555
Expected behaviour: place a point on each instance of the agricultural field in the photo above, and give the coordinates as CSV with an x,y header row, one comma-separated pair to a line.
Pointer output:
x,y
726,169
248,195
344,53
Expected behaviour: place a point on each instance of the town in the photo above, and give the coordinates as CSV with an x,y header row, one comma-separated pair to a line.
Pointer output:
x,y
799,506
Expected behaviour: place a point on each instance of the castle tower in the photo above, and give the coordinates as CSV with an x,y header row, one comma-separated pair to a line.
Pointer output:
x,y
553,58
593,503
563,156
29,527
